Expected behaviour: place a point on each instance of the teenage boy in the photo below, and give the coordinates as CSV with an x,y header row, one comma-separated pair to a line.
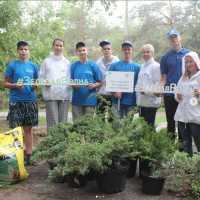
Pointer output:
x,y
84,69
171,71
23,108
127,100
104,63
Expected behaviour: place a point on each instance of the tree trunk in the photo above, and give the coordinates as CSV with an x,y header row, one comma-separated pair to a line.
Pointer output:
x,y
126,19
171,14
81,23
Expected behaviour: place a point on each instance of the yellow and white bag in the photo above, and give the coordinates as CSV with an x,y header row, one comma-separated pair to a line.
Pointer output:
x,y
12,157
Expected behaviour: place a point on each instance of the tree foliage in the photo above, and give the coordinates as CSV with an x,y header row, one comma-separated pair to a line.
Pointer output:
x,y
42,21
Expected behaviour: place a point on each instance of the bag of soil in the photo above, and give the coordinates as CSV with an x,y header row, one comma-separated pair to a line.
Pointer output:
x,y
12,157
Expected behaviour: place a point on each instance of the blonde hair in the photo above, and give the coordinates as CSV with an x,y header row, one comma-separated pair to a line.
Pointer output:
x,y
187,73
147,47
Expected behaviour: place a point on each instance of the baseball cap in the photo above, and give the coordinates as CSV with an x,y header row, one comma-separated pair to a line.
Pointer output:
x,y
127,43
172,32
22,43
102,43
80,44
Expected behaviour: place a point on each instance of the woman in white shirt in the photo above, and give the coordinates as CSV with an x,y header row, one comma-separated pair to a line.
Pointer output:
x,y
56,69
149,75
188,111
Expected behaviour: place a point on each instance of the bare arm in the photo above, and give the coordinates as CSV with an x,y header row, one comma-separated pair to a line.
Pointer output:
x,y
94,85
117,95
164,80
7,84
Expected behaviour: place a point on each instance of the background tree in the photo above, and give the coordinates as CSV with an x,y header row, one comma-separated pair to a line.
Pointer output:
x,y
40,22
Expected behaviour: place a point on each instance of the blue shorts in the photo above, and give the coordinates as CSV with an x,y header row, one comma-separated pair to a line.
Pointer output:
x,y
23,114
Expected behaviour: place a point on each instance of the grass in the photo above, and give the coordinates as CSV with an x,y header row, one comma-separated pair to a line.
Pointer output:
x,y
42,122
161,109
159,119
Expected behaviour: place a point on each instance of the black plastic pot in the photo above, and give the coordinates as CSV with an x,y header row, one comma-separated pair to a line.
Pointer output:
x,y
143,165
132,167
91,175
76,181
59,179
51,166
112,181
152,186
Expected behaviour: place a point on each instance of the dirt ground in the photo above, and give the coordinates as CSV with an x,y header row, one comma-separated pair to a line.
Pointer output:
x,y
35,187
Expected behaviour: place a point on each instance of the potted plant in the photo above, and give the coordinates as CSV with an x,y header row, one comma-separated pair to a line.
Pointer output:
x,y
75,162
93,144
90,143
184,175
48,148
114,142
159,148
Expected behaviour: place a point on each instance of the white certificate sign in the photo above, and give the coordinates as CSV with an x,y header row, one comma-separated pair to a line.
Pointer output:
x,y
119,81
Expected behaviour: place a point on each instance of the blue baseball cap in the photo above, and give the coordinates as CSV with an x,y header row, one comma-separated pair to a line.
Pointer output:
x,y
127,43
102,43
173,32
22,43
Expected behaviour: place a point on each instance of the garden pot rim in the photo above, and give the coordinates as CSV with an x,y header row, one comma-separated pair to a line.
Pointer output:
x,y
146,172
125,167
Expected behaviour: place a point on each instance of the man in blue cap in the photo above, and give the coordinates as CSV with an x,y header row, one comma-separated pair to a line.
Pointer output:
x,y
127,100
23,108
171,70
104,63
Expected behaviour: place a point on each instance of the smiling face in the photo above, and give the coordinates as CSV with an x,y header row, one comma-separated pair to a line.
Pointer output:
x,y
147,54
127,50
58,47
174,40
107,50
82,53
23,52
190,65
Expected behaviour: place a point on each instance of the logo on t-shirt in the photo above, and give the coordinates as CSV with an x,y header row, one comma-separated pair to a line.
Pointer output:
x,y
88,72
146,74
29,70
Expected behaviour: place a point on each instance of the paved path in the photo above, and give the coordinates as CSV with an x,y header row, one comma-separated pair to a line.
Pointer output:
x,y
159,126
4,114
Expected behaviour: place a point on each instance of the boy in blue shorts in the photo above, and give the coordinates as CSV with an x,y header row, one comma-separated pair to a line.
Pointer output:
x,y
84,69
23,108
127,100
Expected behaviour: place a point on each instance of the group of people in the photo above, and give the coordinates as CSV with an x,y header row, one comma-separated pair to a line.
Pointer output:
x,y
179,66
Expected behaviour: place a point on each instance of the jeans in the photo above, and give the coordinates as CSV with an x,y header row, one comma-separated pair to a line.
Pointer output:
x,y
149,114
187,131
123,108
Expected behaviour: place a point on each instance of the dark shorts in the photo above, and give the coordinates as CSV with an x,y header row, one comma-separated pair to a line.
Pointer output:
x,y
23,114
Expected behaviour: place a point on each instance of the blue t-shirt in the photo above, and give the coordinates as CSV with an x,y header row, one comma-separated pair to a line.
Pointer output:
x,y
171,64
127,98
18,70
89,71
